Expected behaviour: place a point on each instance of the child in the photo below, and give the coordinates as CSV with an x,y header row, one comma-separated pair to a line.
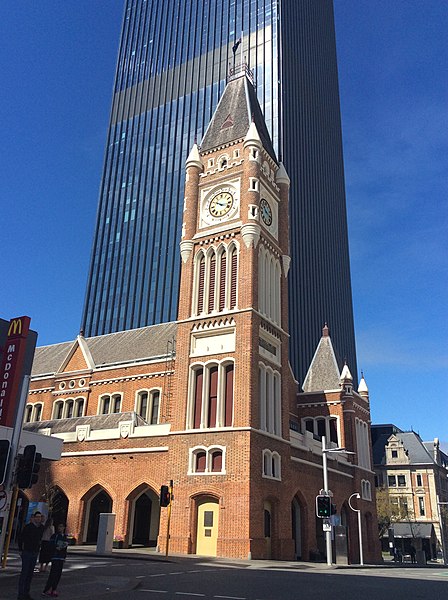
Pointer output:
x,y
59,553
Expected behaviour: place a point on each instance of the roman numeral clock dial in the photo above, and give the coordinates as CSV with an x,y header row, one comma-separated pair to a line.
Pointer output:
x,y
220,204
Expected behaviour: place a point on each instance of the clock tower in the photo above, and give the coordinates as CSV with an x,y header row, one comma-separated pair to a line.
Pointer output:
x,y
232,341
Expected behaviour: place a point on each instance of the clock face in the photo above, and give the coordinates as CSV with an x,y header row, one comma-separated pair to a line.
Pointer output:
x,y
266,211
220,204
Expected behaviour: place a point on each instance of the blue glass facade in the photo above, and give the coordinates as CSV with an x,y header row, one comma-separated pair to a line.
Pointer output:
x,y
173,60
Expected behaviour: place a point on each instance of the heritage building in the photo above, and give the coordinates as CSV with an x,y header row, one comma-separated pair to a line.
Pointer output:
x,y
414,476
210,401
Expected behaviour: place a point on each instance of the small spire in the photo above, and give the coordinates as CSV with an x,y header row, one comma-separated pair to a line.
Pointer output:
x,y
346,375
282,176
81,332
362,387
194,159
325,331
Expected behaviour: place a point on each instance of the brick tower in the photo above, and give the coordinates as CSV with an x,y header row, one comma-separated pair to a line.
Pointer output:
x,y
232,341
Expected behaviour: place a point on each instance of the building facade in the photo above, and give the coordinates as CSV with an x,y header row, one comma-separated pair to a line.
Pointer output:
x,y
414,477
209,401
173,62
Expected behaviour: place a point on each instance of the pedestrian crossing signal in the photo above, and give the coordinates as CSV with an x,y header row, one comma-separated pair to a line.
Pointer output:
x,y
323,506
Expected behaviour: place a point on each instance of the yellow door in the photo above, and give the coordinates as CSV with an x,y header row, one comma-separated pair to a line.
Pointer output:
x,y
207,534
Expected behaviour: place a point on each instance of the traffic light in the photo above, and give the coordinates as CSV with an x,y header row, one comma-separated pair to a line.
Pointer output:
x,y
165,496
323,506
29,466
5,446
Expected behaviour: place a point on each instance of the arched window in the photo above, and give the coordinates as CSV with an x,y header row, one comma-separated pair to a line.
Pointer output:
x,y
116,403
58,410
201,462
207,460
28,413
323,426
270,400
271,465
211,395
104,408
216,461
148,405
79,411
142,404
269,285
37,414
215,279
69,405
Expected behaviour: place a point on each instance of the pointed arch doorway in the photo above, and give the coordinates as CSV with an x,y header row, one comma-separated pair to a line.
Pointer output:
x,y
145,517
297,525
100,503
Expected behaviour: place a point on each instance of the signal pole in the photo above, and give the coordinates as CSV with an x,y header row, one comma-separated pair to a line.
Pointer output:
x,y
169,518
327,492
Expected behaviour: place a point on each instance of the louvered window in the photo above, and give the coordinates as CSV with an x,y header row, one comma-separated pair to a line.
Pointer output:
x,y
222,282
200,284
233,277
211,285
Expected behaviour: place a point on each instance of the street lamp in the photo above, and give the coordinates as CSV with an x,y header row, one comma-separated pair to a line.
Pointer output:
x,y
326,491
442,532
357,495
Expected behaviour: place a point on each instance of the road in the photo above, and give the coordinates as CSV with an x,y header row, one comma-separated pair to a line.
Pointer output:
x,y
91,577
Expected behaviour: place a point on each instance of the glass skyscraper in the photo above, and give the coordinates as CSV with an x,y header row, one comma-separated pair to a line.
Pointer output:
x,y
173,60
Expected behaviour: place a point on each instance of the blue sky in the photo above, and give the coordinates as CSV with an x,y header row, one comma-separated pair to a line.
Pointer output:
x,y
57,65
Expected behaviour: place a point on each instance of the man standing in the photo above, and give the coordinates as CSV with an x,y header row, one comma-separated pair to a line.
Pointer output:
x,y
29,544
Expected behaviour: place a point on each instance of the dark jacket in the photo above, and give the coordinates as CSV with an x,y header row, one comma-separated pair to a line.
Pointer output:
x,y
59,546
29,539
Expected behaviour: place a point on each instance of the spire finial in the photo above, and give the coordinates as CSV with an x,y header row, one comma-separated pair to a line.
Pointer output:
x,y
325,331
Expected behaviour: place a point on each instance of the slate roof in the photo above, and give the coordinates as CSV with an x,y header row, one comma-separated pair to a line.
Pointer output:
x,y
114,348
233,116
418,452
323,373
96,422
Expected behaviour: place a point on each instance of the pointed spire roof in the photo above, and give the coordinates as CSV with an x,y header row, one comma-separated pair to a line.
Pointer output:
x,y
194,158
233,117
362,388
323,373
346,375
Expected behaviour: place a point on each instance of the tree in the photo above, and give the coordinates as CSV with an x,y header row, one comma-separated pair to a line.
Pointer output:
x,y
390,512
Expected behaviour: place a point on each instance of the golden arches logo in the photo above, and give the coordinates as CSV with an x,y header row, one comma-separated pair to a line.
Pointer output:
x,y
15,327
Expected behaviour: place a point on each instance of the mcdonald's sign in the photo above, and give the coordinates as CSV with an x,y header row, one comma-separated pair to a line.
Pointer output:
x,y
12,358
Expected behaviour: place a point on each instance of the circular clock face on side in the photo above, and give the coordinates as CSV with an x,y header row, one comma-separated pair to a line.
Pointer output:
x,y
220,204
266,211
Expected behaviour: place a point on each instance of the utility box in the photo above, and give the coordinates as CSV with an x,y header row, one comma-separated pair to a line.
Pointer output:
x,y
340,544
105,539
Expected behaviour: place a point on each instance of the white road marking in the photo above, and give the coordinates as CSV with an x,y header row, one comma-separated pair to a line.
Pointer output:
x,y
153,591
189,594
231,597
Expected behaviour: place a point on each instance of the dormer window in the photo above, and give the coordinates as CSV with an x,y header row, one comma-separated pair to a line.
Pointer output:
x,y
394,453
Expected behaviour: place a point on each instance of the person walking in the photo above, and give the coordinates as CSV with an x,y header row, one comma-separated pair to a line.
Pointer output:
x,y
59,544
29,544
46,546
413,553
